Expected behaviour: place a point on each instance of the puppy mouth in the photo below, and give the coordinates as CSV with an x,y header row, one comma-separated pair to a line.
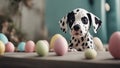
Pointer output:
x,y
77,33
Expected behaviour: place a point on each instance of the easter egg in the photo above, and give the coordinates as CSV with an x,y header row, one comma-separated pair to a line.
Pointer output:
x,y
9,47
60,46
21,46
30,46
42,48
53,40
46,42
114,45
98,44
3,38
90,53
2,48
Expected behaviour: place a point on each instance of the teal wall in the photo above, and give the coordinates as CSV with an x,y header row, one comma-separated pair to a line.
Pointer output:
x,y
56,9
113,17
98,9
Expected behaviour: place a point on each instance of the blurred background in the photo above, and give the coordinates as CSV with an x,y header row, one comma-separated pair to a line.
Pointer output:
x,y
38,19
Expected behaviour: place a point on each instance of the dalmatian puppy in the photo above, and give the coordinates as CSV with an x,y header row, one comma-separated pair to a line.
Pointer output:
x,y
79,21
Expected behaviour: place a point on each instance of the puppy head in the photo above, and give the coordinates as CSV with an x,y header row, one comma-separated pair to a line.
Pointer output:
x,y
79,21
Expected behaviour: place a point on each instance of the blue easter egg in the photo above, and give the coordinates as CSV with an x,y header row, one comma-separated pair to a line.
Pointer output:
x,y
3,38
21,46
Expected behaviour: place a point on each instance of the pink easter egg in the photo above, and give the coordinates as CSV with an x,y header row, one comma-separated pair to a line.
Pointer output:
x,y
30,46
9,47
114,45
60,46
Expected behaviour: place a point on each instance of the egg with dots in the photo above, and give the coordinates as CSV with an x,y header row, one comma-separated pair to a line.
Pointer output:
x,y
60,46
30,46
21,47
9,47
90,54
53,40
2,48
42,48
98,44
3,38
114,45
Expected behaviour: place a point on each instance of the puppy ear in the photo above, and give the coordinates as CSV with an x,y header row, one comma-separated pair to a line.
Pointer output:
x,y
63,24
95,21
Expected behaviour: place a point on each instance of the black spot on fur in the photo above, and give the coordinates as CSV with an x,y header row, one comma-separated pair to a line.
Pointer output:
x,y
76,44
78,41
91,42
73,37
80,31
63,30
70,18
75,40
88,39
79,49
93,27
83,44
60,21
90,19
77,10
86,44
83,47
71,45
82,38
88,47
98,22
63,23
70,41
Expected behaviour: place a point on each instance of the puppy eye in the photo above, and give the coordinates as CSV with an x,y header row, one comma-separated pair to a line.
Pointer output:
x,y
84,20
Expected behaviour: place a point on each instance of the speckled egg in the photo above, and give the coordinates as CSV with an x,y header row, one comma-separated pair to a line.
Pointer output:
x,y
3,38
21,46
98,44
30,46
90,54
114,45
41,48
2,48
60,46
53,40
9,47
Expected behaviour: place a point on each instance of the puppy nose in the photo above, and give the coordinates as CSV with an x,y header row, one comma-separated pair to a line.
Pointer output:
x,y
76,27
